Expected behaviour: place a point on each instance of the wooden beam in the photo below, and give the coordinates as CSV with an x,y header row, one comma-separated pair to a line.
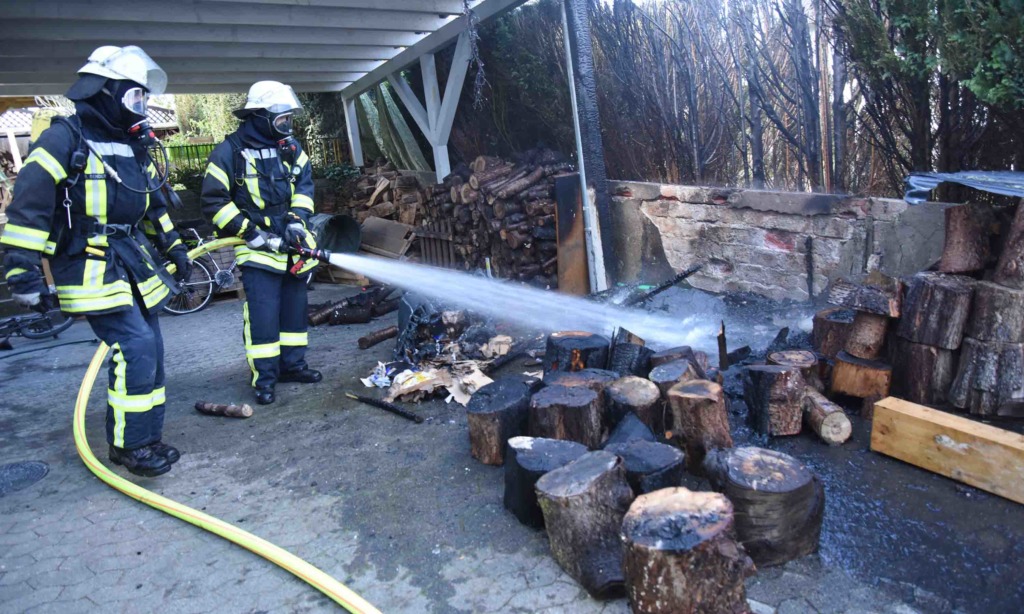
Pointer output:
x,y
419,6
453,89
431,90
355,146
983,456
412,104
54,89
161,51
49,64
196,77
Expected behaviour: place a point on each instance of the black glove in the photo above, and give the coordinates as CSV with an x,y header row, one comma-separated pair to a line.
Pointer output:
x,y
294,232
179,256
28,288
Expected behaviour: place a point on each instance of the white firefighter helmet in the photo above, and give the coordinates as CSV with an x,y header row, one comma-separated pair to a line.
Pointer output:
x,y
274,96
126,63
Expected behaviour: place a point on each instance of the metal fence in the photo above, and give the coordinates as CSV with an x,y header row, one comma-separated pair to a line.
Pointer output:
x,y
322,152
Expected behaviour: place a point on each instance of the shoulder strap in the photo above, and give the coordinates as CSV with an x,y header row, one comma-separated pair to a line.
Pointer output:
x,y
80,153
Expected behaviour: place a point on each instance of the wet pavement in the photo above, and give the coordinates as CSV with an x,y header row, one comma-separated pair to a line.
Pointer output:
x,y
401,513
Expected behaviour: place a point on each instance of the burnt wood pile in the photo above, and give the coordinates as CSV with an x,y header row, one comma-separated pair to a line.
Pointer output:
x,y
383,191
597,456
503,210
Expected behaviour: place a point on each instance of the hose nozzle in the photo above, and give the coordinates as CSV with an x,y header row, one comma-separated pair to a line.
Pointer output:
x,y
323,255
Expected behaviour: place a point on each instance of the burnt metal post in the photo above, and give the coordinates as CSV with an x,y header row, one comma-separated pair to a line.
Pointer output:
x,y
589,146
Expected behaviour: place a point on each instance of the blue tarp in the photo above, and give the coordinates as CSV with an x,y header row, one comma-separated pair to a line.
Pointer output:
x,y
1007,183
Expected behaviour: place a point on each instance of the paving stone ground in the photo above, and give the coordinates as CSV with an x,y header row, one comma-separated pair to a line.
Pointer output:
x,y
397,511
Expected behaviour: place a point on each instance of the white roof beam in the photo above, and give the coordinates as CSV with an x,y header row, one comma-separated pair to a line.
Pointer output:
x,y
15,78
183,12
412,104
174,66
162,50
142,32
438,7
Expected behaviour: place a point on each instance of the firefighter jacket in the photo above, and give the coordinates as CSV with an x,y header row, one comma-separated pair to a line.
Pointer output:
x,y
248,183
97,244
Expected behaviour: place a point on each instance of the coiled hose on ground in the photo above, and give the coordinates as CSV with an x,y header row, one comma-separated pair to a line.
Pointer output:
x,y
313,576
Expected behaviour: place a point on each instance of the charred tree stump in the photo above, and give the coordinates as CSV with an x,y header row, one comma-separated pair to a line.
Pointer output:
x,y
637,396
922,373
967,239
935,309
775,397
630,429
371,339
669,374
867,335
700,419
831,327
583,504
574,351
997,314
860,378
826,418
594,379
629,354
990,378
495,413
806,362
679,353
527,459
1009,270
573,414
650,466
351,315
779,503
681,555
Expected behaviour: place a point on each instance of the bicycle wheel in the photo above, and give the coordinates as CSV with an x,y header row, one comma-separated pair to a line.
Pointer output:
x,y
49,324
196,291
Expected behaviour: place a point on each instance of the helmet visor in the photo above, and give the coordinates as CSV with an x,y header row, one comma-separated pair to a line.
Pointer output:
x,y
278,100
283,123
136,100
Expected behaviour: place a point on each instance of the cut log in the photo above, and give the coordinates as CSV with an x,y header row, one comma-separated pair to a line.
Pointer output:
x,y
629,429
676,353
989,379
867,335
650,466
490,175
377,336
936,307
378,191
384,209
983,456
1009,270
573,351
775,397
831,327
483,163
922,373
407,182
803,360
594,379
997,313
220,409
637,396
779,504
497,412
504,208
629,354
882,299
583,504
573,414
512,188
860,378
680,554
826,418
669,374
968,233
351,315
468,194
699,419
526,460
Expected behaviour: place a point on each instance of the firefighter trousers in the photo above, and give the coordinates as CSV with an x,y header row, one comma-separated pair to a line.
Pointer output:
x,y
274,329
135,390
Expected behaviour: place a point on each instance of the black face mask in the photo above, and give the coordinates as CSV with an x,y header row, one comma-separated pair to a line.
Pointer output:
x,y
108,103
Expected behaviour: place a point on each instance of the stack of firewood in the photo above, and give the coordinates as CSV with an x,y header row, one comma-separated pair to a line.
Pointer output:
x,y
503,211
596,454
385,193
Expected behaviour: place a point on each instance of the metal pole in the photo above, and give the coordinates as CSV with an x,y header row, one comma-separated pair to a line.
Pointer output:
x,y
595,249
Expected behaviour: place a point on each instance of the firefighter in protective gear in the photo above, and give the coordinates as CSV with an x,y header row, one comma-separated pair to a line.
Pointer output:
x,y
87,199
259,186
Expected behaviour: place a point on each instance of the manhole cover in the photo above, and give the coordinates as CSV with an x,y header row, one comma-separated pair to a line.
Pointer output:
x,y
21,475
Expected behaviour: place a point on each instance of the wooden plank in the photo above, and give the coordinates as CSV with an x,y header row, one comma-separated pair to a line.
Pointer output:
x,y
872,299
386,237
983,456
573,271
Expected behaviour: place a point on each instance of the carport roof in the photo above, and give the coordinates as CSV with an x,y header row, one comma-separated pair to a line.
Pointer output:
x,y
211,46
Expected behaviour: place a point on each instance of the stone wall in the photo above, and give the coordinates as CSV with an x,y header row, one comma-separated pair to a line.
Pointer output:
x,y
782,245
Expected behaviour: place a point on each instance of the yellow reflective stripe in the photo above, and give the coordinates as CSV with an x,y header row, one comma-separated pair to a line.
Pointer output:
x,y
152,170
91,304
278,262
23,236
96,191
303,201
11,273
263,350
94,271
165,223
294,339
120,366
51,248
159,396
118,285
148,227
303,159
212,170
43,158
175,244
252,183
130,402
226,214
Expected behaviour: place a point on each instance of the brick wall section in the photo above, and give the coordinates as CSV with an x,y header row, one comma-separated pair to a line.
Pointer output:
x,y
766,242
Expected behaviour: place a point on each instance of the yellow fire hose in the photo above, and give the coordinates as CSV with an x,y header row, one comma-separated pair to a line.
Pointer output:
x,y
313,576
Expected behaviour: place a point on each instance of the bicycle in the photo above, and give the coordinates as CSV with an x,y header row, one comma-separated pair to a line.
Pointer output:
x,y
201,285
36,325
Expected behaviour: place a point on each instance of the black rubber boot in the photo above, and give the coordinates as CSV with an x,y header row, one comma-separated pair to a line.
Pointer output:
x,y
140,461
304,376
163,450
264,396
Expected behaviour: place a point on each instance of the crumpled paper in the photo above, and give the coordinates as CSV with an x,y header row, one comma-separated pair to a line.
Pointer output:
x,y
415,385
499,345
467,378
379,378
